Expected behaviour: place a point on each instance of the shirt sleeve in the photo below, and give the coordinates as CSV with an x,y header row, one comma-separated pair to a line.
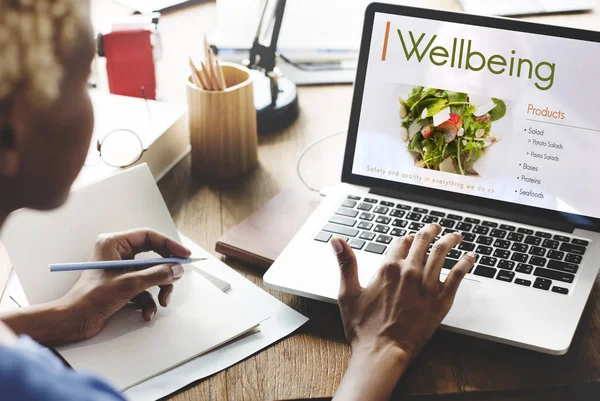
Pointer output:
x,y
30,372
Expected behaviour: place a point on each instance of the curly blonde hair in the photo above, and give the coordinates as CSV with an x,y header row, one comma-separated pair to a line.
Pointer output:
x,y
36,37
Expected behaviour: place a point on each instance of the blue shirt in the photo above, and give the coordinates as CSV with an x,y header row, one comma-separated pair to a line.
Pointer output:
x,y
31,372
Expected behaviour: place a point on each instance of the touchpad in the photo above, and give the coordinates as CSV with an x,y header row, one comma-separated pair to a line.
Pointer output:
x,y
465,296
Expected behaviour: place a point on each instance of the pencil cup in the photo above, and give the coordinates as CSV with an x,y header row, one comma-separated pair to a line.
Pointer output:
x,y
223,125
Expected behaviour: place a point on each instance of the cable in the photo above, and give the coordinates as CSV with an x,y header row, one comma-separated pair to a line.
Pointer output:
x,y
309,147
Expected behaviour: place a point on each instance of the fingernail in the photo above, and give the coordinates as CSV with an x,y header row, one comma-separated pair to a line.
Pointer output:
x,y
151,315
177,271
168,299
471,255
336,243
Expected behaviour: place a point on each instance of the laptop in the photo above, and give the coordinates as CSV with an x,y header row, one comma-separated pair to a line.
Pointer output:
x,y
525,7
486,126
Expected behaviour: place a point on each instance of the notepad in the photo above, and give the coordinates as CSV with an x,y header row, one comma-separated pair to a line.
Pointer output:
x,y
128,351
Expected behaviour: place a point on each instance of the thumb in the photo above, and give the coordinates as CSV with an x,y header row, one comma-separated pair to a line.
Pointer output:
x,y
349,284
153,276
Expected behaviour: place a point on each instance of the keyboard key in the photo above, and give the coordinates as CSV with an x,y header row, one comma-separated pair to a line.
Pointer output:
x,y
454,217
381,210
524,268
365,206
346,212
498,233
507,227
561,238
356,243
505,275
447,223
365,225
525,231
367,216
531,240
482,239
483,250
403,207
580,242
506,264
563,267
420,210
397,213
537,261
542,284
543,234
556,255
554,275
472,220
416,226
386,203
430,219
323,237
345,221
576,249
537,251
501,253
454,254
560,290
464,226
488,261
481,230
519,257
521,281
349,203
573,258
414,216
399,223
551,244
437,214
448,231
489,224
485,271
380,228
515,237
375,248
353,197
371,200
398,232
343,237
468,237
466,246
336,229
367,235
500,243
384,239
383,220
449,263
519,248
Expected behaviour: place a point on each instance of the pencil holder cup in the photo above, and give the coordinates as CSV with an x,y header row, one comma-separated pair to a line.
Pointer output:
x,y
223,131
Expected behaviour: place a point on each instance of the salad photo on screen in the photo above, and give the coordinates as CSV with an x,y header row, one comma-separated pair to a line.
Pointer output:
x,y
448,131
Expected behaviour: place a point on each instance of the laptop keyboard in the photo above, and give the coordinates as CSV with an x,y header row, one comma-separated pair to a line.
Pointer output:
x,y
510,253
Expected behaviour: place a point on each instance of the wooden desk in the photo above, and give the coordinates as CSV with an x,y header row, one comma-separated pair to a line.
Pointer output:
x,y
309,364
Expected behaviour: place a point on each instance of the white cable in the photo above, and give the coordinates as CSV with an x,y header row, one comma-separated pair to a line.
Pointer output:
x,y
309,147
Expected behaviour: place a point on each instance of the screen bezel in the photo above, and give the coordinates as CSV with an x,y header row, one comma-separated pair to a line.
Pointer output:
x,y
515,211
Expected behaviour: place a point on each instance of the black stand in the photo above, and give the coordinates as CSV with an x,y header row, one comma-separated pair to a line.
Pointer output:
x,y
275,97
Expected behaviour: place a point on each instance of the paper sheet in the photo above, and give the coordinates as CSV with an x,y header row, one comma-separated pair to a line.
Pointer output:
x,y
284,321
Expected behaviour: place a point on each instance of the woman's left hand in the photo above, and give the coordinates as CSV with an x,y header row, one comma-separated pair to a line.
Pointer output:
x,y
99,294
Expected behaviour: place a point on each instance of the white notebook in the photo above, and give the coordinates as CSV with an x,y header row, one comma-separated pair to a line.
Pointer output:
x,y
128,351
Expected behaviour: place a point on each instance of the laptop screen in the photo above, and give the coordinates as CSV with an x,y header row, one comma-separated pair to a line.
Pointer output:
x,y
480,111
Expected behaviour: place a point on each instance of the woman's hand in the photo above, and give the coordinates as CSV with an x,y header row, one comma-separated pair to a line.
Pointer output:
x,y
99,294
388,322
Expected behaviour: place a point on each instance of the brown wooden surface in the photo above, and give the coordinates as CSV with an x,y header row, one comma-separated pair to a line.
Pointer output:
x,y
310,364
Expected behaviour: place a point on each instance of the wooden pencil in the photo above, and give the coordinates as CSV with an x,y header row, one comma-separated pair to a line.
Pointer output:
x,y
207,76
220,75
195,76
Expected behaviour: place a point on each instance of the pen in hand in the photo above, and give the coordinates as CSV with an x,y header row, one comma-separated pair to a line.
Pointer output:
x,y
120,264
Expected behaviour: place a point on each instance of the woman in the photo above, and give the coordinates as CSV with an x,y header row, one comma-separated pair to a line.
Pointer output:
x,y
46,121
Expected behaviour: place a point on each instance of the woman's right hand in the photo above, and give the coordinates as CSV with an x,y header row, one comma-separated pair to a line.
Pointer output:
x,y
388,322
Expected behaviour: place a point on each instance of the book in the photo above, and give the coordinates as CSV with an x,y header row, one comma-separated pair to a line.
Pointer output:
x,y
161,126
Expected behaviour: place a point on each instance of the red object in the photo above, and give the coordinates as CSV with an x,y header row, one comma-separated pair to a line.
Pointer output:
x,y
130,63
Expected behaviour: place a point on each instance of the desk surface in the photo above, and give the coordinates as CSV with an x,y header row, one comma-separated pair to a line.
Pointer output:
x,y
309,364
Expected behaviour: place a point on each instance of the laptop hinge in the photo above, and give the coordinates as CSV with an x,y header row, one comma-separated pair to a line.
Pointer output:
x,y
556,225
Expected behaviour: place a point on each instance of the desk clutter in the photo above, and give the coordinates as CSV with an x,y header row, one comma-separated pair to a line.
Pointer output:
x,y
203,330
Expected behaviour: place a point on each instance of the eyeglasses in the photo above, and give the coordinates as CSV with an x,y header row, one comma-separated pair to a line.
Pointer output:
x,y
119,148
